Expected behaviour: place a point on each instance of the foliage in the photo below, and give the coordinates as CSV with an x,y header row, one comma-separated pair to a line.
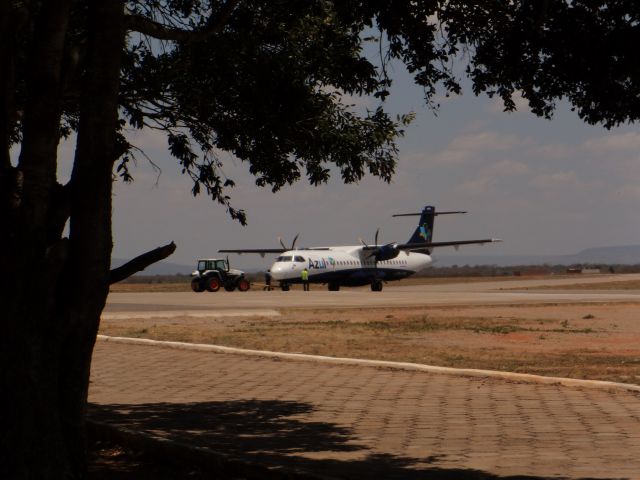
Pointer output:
x,y
581,50
273,87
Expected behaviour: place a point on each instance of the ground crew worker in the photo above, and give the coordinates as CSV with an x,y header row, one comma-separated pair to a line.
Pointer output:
x,y
305,279
267,280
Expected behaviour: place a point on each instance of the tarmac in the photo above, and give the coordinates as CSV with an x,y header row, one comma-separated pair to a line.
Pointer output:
x,y
342,419
499,292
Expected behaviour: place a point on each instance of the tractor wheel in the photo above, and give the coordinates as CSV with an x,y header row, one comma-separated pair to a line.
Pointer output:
x,y
243,285
212,284
229,287
196,285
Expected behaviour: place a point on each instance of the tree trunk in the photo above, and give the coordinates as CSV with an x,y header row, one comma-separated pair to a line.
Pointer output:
x,y
52,291
31,440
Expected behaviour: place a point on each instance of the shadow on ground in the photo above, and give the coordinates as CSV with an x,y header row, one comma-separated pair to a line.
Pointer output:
x,y
270,433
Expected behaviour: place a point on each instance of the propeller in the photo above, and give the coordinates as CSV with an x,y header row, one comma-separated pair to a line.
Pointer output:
x,y
293,244
374,249
375,243
381,252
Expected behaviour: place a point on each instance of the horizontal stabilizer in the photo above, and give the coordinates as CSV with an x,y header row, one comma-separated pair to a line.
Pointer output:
x,y
420,213
261,251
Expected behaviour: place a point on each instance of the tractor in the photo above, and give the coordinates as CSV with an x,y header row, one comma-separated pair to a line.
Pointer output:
x,y
211,274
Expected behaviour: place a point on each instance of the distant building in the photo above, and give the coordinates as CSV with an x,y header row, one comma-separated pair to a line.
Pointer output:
x,y
530,271
584,270
591,270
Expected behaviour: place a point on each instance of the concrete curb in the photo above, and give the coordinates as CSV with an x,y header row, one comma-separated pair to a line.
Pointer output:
x,y
468,372
212,463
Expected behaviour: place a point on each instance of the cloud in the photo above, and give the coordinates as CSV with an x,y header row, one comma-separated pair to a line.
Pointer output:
x,y
468,147
559,180
489,178
555,151
621,142
476,186
507,168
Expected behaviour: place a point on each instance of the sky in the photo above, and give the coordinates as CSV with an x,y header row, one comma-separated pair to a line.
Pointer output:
x,y
543,186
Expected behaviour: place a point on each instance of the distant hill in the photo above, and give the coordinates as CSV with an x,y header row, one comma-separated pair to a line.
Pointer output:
x,y
629,254
623,255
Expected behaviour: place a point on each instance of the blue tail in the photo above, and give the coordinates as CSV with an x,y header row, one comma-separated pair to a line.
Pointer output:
x,y
424,231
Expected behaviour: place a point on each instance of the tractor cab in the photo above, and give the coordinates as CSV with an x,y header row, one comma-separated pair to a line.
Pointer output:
x,y
212,264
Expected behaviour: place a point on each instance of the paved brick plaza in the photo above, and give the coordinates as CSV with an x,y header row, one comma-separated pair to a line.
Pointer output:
x,y
365,422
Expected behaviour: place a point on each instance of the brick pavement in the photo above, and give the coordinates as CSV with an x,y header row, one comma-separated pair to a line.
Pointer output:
x,y
366,422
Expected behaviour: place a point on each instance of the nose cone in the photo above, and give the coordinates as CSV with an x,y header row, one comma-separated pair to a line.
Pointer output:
x,y
278,271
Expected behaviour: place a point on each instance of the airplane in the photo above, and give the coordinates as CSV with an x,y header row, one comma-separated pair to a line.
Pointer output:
x,y
352,266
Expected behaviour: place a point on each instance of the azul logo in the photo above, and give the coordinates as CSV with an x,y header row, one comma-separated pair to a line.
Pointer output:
x,y
424,232
318,264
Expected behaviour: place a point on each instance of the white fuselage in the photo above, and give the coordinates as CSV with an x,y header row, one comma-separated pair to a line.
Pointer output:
x,y
347,266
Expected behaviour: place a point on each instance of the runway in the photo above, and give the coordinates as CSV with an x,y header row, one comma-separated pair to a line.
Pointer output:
x,y
258,302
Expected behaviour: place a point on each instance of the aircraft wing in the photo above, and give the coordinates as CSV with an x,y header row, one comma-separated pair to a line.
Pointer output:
x,y
457,243
261,251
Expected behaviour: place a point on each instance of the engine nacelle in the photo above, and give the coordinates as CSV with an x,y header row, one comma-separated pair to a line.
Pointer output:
x,y
386,252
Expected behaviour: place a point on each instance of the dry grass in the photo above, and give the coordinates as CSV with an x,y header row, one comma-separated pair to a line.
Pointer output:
x,y
150,287
613,285
579,340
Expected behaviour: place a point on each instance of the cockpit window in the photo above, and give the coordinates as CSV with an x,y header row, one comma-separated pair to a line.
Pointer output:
x,y
284,258
298,258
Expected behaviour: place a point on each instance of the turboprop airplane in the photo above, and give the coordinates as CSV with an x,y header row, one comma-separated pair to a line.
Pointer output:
x,y
351,266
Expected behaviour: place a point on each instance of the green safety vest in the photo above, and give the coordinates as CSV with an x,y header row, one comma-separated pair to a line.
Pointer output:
x,y
305,275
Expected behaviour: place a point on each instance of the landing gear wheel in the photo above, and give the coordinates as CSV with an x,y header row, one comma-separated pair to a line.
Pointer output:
x,y
196,285
243,285
333,287
212,284
229,287
376,286
285,287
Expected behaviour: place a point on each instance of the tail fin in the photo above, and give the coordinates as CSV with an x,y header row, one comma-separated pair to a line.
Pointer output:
x,y
424,230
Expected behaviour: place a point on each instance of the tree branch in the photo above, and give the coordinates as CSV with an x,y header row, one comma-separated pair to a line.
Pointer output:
x,y
157,30
140,263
